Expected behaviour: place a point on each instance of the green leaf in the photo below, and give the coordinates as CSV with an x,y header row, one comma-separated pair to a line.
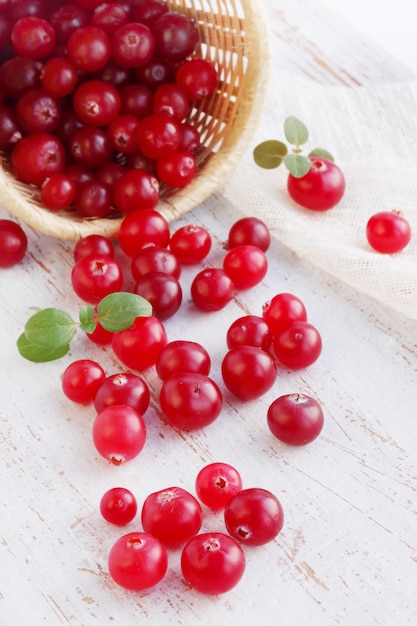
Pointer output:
x,y
51,328
270,154
321,152
87,321
297,165
295,131
118,311
39,354
89,327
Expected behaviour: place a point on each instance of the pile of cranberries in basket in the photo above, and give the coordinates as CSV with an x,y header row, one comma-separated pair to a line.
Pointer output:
x,y
95,99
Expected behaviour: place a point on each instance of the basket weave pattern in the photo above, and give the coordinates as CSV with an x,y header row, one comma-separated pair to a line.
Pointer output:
x,y
233,35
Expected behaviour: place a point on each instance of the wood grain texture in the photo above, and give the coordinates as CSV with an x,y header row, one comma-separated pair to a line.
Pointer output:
x,y
348,551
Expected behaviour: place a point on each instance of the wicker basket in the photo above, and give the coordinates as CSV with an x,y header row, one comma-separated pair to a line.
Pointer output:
x,y
234,35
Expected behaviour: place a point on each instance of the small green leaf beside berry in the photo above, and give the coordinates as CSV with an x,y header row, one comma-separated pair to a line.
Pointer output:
x,y
271,153
297,164
50,328
321,152
87,321
118,311
296,132
314,181
48,333
39,354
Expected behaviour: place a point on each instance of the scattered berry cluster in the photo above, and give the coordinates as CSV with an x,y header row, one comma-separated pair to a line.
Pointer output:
x,y
96,99
211,562
257,344
189,399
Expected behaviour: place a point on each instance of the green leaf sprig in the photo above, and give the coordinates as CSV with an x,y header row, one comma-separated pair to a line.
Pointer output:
x,y
48,333
271,153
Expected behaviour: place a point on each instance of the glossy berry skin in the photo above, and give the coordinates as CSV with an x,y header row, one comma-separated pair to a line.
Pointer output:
x,y
249,330
81,379
212,289
58,192
173,515
246,265
132,44
119,433
147,11
137,189
38,112
198,78
321,188
254,516
156,72
96,102
298,345
171,100
162,291
88,48
249,230
176,36
137,561
33,37
177,170
18,74
248,372
190,401
142,228
90,147
13,243
123,388
295,419
59,77
137,100
122,133
283,309
66,19
139,346
93,244
216,484
118,506
388,232
212,563
36,157
190,244
110,173
153,258
182,356
93,199
158,136
95,276
110,16
190,138
10,132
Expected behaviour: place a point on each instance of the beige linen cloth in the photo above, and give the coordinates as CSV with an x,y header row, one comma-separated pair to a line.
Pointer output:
x,y
372,133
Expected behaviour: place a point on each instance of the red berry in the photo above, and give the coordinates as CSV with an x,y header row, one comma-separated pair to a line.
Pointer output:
x,y
137,561
254,516
388,232
13,243
81,379
118,506
321,188
295,419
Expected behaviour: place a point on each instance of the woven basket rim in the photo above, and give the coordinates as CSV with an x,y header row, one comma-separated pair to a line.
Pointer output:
x,y
216,170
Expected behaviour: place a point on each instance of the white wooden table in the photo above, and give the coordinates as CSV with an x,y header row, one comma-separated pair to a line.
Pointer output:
x,y
348,551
